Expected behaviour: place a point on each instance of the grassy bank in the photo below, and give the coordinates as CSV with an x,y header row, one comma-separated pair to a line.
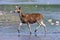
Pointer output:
x,y
9,18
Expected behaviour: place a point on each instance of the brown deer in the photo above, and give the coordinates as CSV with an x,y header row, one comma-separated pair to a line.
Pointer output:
x,y
30,19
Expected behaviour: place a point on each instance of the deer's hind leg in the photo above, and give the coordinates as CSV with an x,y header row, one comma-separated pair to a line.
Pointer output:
x,y
41,23
38,26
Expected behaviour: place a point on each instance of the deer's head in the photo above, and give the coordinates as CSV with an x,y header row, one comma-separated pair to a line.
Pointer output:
x,y
18,9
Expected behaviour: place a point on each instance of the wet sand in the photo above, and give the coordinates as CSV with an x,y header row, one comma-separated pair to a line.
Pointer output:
x,y
9,32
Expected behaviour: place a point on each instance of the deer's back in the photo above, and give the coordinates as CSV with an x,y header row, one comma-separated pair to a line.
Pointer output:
x,y
32,18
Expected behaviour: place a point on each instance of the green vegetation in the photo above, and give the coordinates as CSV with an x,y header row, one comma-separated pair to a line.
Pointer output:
x,y
9,18
28,8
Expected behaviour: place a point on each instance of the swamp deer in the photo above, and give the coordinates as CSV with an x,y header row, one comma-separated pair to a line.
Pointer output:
x,y
30,19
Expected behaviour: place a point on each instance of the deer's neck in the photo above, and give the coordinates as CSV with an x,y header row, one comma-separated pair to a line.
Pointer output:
x,y
20,14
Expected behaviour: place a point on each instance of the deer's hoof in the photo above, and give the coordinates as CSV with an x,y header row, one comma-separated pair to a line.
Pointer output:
x,y
36,35
18,31
35,30
30,33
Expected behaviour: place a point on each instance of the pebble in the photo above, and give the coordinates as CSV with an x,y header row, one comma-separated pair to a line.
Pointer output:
x,y
52,23
57,22
50,20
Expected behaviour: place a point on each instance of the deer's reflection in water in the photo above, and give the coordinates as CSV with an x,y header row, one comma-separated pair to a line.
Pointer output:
x,y
31,37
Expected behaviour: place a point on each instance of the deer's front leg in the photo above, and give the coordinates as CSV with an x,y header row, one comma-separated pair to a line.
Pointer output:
x,y
29,27
19,27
